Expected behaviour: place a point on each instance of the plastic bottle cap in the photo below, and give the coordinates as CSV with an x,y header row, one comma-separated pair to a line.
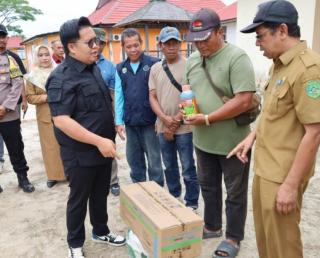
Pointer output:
x,y
186,87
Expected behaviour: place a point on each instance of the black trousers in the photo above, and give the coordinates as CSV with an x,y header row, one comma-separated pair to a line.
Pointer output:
x,y
11,134
211,167
87,183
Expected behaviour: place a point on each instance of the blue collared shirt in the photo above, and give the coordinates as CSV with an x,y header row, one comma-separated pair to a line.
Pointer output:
x,y
108,71
118,96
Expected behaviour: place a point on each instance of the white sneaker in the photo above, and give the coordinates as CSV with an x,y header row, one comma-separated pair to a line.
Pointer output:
x,y
75,252
110,239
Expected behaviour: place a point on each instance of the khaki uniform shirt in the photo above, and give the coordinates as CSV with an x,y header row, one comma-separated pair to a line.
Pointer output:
x,y
291,100
11,84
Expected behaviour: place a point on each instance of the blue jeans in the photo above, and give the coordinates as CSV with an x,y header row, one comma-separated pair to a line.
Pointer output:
x,y
141,141
181,144
1,149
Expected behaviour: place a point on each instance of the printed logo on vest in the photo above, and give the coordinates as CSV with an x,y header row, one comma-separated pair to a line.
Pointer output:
x,y
124,70
146,68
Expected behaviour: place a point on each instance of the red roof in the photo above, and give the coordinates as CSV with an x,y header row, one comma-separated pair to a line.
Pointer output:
x,y
195,5
229,12
14,42
116,10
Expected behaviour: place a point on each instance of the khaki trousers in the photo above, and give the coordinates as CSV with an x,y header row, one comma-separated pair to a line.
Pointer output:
x,y
278,236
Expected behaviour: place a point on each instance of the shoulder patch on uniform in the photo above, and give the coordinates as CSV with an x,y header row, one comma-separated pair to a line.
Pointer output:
x,y
313,89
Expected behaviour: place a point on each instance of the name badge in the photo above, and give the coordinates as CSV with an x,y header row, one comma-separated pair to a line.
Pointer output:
x,y
280,82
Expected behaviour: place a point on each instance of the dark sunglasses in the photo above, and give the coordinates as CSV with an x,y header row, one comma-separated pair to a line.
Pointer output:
x,y
90,43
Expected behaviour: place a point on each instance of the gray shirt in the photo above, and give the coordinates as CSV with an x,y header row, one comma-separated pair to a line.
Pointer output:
x,y
11,83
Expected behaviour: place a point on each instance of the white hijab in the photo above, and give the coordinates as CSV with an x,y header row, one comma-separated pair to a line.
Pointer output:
x,y
39,75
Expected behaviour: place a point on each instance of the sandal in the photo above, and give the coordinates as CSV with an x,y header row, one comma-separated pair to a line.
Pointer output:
x,y
211,234
227,249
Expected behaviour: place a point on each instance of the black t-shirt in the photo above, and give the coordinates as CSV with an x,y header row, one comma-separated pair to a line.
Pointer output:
x,y
77,90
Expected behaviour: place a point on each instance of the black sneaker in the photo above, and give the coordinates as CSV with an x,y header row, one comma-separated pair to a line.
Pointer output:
x,y
51,183
24,183
194,208
115,189
211,234
111,239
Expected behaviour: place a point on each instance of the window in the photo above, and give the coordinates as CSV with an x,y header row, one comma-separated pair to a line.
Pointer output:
x,y
45,41
21,53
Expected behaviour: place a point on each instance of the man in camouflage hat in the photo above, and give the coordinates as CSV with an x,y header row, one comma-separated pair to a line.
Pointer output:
x,y
108,72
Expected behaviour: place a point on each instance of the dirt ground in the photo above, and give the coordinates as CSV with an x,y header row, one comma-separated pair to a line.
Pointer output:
x,y
33,225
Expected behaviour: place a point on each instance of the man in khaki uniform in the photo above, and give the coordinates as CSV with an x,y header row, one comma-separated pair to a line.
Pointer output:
x,y
288,133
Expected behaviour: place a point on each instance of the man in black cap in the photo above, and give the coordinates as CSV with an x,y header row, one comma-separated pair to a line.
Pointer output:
x,y
288,133
22,99
11,85
81,108
216,132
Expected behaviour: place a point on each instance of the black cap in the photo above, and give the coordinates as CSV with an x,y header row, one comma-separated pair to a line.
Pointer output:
x,y
278,11
202,24
3,29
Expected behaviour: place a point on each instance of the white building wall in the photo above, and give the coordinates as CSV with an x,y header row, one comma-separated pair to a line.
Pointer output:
x,y
245,14
231,32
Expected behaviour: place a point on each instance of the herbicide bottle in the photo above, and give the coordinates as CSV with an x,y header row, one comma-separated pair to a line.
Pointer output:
x,y
188,101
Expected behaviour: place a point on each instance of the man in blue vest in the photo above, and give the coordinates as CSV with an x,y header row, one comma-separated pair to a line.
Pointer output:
x,y
133,113
108,72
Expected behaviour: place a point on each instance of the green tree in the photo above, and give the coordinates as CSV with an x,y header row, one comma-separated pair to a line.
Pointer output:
x,y
12,11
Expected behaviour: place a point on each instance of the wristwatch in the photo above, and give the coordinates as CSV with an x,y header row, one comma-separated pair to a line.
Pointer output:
x,y
206,119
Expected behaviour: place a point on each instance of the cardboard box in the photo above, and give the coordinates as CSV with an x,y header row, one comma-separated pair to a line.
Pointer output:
x,y
165,227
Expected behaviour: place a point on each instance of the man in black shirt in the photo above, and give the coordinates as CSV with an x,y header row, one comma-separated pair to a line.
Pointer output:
x,y
81,108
